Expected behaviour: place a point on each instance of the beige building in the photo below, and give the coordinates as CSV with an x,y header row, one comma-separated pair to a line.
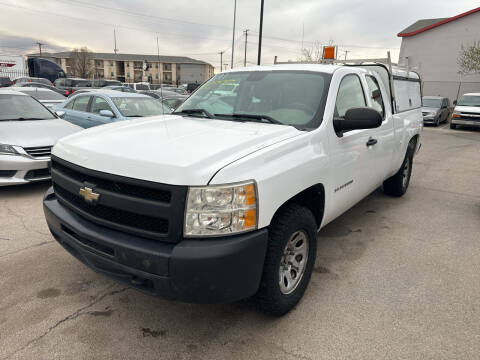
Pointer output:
x,y
136,67
432,48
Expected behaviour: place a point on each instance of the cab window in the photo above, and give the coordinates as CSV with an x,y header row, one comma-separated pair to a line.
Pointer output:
x,y
350,94
81,103
375,94
99,104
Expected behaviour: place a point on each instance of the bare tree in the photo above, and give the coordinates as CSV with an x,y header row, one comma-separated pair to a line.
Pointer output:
x,y
82,62
469,59
312,54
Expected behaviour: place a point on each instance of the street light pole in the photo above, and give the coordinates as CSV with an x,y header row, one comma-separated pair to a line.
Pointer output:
x,y
233,35
260,35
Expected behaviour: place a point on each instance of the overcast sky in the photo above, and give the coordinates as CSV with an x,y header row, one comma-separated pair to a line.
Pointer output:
x,y
202,28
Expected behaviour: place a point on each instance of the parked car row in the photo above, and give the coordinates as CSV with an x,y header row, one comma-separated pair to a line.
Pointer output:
x,y
32,119
466,112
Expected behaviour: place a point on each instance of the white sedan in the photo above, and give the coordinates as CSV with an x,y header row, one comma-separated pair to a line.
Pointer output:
x,y
28,130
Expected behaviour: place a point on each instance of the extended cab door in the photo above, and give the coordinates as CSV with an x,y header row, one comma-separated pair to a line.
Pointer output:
x,y
380,154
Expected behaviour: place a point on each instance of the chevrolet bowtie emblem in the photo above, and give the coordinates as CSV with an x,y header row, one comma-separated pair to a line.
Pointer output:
x,y
88,195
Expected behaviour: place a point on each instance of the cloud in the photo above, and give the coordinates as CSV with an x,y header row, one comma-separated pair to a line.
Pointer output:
x,y
201,29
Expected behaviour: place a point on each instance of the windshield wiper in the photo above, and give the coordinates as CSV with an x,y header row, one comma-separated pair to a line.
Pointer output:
x,y
262,118
195,111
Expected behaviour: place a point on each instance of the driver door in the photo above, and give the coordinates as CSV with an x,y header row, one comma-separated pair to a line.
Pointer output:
x,y
349,153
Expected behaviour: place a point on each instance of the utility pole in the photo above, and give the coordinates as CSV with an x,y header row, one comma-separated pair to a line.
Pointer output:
x,y
226,65
221,60
245,57
260,35
233,36
346,52
40,47
115,50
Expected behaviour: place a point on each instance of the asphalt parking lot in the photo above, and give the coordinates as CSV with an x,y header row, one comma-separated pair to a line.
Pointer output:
x,y
394,279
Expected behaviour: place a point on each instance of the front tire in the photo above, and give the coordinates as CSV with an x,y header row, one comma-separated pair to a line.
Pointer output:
x,y
453,126
289,261
397,185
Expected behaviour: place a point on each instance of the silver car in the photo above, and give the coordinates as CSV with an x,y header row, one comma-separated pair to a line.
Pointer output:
x,y
28,130
47,97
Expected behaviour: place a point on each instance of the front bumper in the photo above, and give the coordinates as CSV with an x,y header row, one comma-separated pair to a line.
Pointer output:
x,y
429,119
17,169
474,123
211,270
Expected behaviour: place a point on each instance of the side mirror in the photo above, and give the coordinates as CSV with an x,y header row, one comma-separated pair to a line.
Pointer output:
x,y
60,114
454,102
358,118
376,94
106,113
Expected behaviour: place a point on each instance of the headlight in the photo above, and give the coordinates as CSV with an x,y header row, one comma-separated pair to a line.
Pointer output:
x,y
7,150
432,113
224,209
456,114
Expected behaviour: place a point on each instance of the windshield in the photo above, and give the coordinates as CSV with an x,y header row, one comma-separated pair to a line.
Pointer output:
x,y
139,106
21,107
469,100
44,95
288,97
433,103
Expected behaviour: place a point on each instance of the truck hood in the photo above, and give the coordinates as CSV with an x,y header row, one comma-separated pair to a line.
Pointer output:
x,y
471,109
169,149
35,132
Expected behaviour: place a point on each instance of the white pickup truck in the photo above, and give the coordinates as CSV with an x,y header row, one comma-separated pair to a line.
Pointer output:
x,y
222,200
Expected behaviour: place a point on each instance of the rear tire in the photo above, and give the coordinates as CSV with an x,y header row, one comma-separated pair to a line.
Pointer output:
x,y
289,262
397,185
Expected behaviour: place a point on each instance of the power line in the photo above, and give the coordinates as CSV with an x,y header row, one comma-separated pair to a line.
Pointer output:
x,y
127,12
60,16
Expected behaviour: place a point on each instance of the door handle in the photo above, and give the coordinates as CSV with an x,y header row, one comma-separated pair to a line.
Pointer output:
x,y
371,142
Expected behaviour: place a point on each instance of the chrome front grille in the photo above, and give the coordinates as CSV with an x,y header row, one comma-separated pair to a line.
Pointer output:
x,y
39,152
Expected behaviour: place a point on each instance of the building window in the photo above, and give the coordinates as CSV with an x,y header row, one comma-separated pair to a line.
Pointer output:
x,y
111,74
156,65
111,63
156,76
128,64
167,67
128,75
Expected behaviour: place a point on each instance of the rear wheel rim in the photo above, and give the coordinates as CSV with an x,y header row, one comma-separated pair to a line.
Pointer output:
x,y
293,262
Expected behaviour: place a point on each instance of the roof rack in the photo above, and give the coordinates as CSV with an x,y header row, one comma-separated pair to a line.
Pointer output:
x,y
385,62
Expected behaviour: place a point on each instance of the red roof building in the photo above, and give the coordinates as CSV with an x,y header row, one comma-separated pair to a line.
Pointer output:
x,y
432,46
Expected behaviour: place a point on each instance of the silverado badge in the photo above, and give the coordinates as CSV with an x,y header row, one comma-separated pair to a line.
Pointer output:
x,y
88,195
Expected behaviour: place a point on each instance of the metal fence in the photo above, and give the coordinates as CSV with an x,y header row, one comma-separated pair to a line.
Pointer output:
x,y
12,74
451,89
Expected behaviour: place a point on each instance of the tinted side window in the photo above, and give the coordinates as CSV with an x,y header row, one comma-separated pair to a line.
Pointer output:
x,y
81,103
98,104
375,95
350,94
69,105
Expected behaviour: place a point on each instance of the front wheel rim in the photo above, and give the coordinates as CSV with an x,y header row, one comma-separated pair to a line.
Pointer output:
x,y
293,262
